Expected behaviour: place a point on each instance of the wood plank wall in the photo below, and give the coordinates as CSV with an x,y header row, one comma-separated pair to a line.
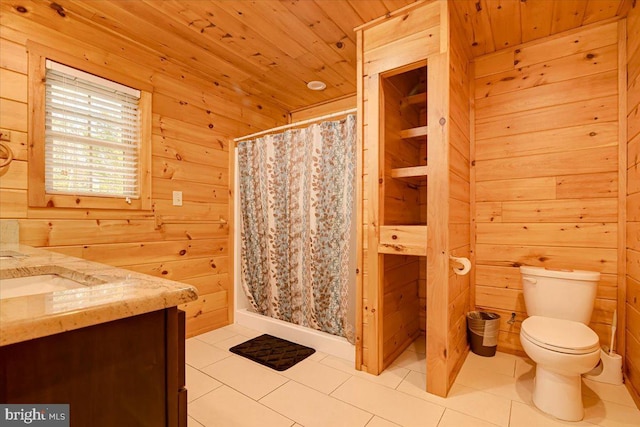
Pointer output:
x,y
317,110
546,169
406,37
459,193
193,121
632,356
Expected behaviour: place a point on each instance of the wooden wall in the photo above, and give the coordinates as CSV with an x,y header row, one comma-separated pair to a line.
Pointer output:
x,y
193,121
459,194
317,110
546,169
400,42
632,359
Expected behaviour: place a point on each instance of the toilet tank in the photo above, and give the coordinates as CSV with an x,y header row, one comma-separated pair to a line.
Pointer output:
x,y
561,294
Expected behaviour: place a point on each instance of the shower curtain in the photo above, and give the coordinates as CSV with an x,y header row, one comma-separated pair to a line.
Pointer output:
x,y
297,197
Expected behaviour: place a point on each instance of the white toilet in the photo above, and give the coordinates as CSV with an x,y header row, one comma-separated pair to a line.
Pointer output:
x,y
556,336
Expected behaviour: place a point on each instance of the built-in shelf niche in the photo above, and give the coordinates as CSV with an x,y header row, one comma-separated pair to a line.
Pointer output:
x,y
417,132
402,238
404,120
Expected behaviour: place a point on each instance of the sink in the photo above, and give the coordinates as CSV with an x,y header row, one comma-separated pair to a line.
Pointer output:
x,y
12,255
33,285
20,282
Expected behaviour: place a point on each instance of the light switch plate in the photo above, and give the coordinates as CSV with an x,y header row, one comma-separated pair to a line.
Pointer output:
x,y
177,198
5,135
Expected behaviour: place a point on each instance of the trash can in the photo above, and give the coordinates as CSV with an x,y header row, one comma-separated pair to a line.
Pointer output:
x,y
482,330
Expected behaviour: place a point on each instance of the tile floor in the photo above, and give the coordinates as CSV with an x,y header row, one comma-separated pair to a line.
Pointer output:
x,y
325,391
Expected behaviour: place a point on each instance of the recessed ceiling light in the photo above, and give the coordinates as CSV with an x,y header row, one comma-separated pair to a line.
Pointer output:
x,y
316,85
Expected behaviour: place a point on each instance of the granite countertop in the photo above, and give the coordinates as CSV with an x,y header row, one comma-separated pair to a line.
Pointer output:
x,y
108,293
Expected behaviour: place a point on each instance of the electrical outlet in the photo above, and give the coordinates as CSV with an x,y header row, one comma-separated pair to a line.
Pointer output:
x,y
177,198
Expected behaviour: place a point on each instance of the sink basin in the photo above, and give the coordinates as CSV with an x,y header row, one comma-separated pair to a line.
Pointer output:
x,y
33,285
11,255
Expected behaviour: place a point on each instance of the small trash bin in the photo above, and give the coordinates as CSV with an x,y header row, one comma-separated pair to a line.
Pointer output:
x,y
482,329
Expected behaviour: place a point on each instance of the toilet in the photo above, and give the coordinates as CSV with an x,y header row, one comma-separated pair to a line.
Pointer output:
x,y
556,337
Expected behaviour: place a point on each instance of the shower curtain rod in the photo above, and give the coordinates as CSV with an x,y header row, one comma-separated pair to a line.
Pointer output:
x,y
300,123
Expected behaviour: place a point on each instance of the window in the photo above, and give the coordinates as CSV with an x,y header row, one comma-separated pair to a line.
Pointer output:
x,y
92,134
90,139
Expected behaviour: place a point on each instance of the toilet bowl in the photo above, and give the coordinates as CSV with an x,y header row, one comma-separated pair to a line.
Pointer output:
x,y
556,336
563,350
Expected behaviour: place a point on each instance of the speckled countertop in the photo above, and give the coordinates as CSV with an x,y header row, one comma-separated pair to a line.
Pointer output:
x,y
109,293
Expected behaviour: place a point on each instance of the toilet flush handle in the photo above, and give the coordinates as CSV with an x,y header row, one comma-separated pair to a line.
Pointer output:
x,y
532,281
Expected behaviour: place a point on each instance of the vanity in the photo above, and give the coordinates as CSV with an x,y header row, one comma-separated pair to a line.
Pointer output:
x,y
109,342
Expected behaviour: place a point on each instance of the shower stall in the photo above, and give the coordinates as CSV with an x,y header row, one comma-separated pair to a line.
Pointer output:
x,y
295,234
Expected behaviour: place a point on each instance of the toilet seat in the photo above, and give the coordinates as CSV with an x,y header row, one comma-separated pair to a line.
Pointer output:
x,y
560,335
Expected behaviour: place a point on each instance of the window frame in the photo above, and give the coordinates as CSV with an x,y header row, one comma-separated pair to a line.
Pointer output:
x,y
37,195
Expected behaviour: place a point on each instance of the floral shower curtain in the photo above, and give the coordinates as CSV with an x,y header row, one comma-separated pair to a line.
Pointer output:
x,y
297,196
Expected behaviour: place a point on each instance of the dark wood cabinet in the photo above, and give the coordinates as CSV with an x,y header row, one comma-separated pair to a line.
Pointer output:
x,y
127,372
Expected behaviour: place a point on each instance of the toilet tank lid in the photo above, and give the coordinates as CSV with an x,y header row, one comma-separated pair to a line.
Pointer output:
x,y
560,273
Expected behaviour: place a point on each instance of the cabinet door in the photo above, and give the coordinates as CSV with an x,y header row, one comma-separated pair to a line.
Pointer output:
x,y
182,391
111,374
181,348
182,407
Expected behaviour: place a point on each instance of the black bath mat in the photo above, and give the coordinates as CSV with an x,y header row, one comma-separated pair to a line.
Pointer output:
x,y
273,352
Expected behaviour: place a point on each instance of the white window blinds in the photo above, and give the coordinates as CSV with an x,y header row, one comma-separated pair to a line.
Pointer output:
x,y
92,135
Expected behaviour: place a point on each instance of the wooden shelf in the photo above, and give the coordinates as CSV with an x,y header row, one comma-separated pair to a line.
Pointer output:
x,y
403,240
420,98
416,132
415,171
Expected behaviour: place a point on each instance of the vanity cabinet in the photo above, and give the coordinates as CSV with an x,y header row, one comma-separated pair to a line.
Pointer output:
x,y
126,372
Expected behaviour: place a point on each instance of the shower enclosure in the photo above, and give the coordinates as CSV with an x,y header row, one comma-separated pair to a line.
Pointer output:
x,y
295,235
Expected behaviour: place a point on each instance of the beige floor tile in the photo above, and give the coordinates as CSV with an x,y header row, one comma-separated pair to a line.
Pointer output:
x,y
453,418
488,407
501,363
518,389
399,408
243,330
390,377
200,354
216,335
344,365
245,376
525,367
523,415
411,360
193,423
609,392
318,356
488,391
419,345
231,342
312,408
379,422
316,375
229,408
199,384
609,414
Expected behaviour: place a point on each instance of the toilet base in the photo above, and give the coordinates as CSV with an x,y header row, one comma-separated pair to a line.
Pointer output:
x,y
558,395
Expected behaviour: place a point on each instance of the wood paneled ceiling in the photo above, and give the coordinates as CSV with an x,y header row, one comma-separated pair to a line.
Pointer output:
x,y
491,25
272,48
